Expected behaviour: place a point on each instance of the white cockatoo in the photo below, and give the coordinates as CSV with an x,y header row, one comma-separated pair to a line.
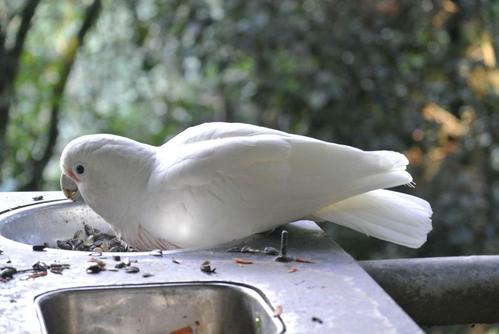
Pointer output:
x,y
217,182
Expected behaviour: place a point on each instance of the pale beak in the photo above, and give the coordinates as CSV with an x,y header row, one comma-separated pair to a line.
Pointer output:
x,y
69,188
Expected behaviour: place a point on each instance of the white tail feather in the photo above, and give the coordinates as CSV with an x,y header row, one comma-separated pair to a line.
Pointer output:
x,y
388,215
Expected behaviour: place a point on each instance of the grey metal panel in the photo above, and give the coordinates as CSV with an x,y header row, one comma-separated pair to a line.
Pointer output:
x,y
331,295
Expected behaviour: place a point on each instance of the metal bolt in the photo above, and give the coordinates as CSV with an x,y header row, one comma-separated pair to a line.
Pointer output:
x,y
283,253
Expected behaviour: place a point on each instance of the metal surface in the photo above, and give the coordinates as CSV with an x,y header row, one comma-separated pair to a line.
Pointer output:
x,y
53,221
442,291
203,307
331,295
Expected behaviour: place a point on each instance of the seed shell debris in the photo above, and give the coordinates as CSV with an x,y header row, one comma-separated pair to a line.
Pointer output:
x,y
206,267
241,261
318,320
183,330
39,248
132,270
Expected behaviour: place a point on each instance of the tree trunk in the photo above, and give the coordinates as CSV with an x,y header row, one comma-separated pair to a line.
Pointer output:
x,y
9,65
38,165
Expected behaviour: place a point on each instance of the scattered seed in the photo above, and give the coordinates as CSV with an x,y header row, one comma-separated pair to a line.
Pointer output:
x,y
92,239
37,274
318,320
293,270
183,330
37,198
156,252
120,265
242,261
64,244
206,267
234,249
278,310
57,271
117,258
7,273
145,275
112,269
176,261
93,268
132,270
57,268
302,260
99,262
39,248
40,266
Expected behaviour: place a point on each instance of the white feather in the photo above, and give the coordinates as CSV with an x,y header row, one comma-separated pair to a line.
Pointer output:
x,y
392,216
221,181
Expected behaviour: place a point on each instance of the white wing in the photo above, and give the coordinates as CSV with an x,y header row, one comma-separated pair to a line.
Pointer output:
x,y
218,130
230,180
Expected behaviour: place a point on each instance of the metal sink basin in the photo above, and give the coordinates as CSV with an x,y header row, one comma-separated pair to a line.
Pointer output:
x,y
163,308
47,223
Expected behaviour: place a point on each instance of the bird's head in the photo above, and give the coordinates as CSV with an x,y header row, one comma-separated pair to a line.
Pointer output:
x,y
104,169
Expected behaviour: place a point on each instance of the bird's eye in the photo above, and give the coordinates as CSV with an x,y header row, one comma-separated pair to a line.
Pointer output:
x,y
79,169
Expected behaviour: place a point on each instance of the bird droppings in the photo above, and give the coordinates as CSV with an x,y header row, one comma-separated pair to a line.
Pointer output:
x,y
129,261
40,248
317,320
207,268
247,249
92,239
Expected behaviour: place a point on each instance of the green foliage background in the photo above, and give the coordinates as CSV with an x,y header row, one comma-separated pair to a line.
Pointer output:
x,y
419,77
